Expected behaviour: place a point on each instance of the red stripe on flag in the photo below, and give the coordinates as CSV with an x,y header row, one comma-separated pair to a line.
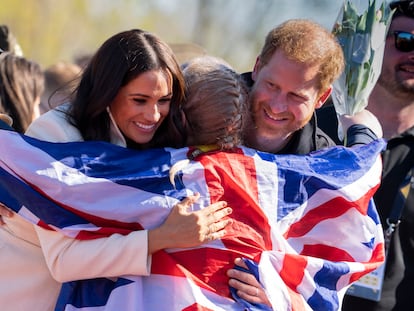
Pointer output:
x,y
331,209
232,177
105,226
292,273
326,252
378,256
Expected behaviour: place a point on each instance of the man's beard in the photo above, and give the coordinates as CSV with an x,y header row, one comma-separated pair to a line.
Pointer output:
x,y
398,87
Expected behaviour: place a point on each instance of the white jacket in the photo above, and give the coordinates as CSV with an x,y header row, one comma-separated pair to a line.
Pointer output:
x,y
30,279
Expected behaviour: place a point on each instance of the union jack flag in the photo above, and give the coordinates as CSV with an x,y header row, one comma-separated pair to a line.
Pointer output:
x,y
306,225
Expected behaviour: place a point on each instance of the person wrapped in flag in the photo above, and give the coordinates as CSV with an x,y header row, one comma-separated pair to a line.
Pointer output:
x,y
307,221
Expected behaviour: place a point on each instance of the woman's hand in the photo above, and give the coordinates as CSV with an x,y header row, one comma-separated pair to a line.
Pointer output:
x,y
248,288
4,212
183,229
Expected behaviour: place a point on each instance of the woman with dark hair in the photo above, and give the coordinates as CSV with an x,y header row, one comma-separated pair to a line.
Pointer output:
x,y
111,72
129,95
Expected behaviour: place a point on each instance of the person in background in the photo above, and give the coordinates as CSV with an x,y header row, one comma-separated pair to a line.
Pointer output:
x,y
60,82
129,95
21,87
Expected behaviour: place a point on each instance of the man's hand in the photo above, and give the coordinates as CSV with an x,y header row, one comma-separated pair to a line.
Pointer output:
x,y
248,288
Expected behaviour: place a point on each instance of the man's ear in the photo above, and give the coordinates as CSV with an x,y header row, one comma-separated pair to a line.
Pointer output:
x,y
256,69
324,97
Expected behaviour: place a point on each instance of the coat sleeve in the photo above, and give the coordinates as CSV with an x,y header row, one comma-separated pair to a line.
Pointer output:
x,y
70,259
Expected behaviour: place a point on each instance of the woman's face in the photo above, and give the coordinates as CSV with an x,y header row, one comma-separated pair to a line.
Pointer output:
x,y
141,106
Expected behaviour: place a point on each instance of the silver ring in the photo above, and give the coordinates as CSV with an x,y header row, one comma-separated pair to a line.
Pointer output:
x,y
257,292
